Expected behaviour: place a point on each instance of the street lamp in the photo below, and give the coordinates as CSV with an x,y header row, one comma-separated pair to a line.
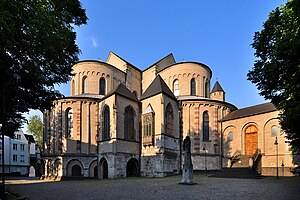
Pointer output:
x,y
204,149
276,143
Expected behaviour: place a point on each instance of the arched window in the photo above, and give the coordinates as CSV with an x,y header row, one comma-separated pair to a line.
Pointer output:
x,y
230,136
84,85
73,87
169,119
102,86
193,87
274,130
129,115
105,123
69,122
176,87
205,126
148,125
206,89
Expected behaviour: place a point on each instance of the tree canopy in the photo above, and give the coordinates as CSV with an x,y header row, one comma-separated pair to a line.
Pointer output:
x,y
37,51
35,127
276,71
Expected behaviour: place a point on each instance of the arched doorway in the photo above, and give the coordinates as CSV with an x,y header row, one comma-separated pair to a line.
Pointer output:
x,y
103,168
132,168
96,172
93,169
251,143
76,170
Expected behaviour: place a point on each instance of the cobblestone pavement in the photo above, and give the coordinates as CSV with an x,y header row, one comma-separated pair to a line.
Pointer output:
x,y
159,188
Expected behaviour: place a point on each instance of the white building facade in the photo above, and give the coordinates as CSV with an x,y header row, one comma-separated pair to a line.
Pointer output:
x,y
16,155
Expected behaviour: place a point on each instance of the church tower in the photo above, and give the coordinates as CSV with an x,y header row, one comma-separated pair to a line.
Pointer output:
x,y
217,92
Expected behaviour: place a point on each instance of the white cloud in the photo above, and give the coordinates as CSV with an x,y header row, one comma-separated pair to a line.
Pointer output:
x,y
94,42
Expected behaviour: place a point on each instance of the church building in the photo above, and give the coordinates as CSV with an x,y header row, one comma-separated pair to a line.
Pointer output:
x,y
121,121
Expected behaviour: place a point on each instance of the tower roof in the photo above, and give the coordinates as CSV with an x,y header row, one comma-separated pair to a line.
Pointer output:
x,y
217,88
157,86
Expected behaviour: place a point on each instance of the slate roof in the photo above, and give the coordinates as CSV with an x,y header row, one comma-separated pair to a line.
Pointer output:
x,y
29,138
128,63
86,95
250,111
123,91
156,87
169,56
217,87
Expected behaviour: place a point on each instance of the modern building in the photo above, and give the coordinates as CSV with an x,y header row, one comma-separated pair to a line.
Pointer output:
x,y
16,155
122,121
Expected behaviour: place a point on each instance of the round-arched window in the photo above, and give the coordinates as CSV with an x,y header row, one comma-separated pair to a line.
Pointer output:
x,y
274,130
230,136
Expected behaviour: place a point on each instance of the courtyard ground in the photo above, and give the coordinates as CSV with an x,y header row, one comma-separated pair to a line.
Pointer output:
x,y
159,188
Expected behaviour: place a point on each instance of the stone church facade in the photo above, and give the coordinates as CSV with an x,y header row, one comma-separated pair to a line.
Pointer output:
x,y
121,121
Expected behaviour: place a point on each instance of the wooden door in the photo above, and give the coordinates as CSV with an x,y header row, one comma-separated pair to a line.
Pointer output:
x,y
251,140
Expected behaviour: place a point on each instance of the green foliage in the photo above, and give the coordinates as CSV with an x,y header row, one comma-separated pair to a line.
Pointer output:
x,y
35,127
276,71
37,42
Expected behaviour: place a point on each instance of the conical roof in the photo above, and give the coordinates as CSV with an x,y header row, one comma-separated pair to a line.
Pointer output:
x,y
156,87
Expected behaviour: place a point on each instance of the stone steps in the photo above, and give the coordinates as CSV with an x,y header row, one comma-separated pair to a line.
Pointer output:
x,y
243,172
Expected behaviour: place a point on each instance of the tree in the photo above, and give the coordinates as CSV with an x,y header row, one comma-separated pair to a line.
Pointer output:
x,y
35,127
37,51
276,71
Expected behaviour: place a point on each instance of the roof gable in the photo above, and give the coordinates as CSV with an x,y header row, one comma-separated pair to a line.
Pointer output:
x,y
163,63
123,91
156,87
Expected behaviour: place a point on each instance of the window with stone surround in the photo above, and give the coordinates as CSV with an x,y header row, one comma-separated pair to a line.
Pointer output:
x,y
169,115
205,126
148,126
73,87
102,86
105,123
84,85
206,90
176,90
69,122
129,115
230,136
193,87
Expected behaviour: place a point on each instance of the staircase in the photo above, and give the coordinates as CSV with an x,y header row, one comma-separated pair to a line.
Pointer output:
x,y
241,168
242,161
244,173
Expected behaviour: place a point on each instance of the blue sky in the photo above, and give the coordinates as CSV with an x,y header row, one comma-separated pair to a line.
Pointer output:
x,y
217,33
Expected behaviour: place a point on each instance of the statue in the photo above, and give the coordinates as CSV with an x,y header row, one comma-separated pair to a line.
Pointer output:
x,y
187,173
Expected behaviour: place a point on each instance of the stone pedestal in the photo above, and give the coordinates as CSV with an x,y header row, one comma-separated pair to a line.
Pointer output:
x,y
187,172
187,177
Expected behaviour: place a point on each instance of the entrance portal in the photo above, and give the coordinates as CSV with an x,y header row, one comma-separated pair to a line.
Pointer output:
x,y
132,168
251,143
103,169
76,170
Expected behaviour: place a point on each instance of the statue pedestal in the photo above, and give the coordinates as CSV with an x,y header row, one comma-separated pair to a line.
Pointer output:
x,y
187,172
187,177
